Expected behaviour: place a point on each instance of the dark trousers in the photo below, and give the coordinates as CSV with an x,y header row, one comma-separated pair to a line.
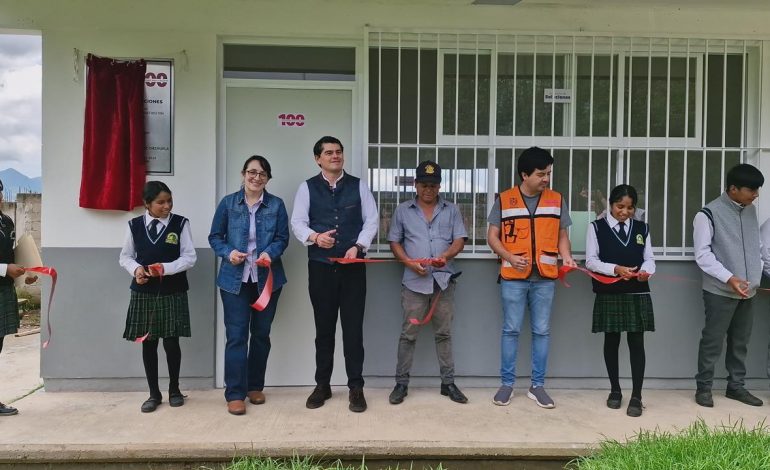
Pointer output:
x,y
730,318
248,340
337,288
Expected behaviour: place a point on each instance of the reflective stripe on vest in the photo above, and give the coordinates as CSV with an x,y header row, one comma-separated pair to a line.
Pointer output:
x,y
534,236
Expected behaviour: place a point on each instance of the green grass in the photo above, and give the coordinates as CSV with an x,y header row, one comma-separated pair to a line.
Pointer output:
x,y
301,463
697,447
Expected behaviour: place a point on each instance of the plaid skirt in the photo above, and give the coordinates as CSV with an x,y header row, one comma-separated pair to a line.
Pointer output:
x,y
164,316
9,310
614,313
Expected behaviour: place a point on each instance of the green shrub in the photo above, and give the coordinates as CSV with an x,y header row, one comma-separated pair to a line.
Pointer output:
x,y
697,447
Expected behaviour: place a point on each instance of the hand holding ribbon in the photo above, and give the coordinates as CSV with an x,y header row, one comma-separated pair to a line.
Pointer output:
x,y
48,271
264,261
563,270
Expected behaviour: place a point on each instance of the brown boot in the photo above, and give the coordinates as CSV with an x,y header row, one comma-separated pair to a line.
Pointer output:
x,y
256,397
236,407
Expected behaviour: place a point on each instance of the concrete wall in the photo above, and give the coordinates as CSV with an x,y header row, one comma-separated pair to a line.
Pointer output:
x,y
83,244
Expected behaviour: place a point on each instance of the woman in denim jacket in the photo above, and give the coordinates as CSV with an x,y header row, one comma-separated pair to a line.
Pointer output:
x,y
249,226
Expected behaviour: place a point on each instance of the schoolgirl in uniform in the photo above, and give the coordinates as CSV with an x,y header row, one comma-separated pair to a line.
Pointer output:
x,y
619,245
9,307
157,251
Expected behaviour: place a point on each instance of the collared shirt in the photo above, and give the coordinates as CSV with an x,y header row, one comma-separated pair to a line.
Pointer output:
x,y
300,215
423,239
703,234
249,268
592,251
187,254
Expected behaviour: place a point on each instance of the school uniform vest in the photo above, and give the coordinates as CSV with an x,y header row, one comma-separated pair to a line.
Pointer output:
x,y
532,235
735,244
162,250
338,208
624,252
7,240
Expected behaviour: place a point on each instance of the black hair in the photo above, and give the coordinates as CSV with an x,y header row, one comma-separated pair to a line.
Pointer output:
x,y
534,158
744,175
262,162
152,189
327,139
622,190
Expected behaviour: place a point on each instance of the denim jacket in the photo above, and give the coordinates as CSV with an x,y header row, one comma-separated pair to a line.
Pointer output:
x,y
230,231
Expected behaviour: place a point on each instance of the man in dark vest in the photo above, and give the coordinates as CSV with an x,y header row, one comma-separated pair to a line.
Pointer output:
x,y
335,216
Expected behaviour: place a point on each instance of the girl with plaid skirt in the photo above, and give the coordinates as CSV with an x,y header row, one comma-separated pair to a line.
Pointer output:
x,y
157,250
9,306
619,245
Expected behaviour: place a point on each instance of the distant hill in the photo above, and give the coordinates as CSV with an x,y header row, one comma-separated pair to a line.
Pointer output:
x,y
15,182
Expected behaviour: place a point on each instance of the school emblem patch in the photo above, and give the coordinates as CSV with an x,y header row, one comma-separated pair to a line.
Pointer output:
x,y
639,239
172,238
429,169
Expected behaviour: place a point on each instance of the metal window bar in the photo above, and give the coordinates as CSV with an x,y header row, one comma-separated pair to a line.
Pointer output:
x,y
619,142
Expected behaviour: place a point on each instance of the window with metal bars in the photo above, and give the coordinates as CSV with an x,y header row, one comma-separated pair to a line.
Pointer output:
x,y
666,115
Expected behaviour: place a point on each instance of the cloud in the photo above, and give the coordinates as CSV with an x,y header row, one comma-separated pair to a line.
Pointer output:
x,y
20,100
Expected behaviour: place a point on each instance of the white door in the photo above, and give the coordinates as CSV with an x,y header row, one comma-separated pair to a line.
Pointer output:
x,y
266,121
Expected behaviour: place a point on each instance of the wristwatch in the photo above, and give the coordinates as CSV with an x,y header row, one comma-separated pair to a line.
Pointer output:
x,y
361,249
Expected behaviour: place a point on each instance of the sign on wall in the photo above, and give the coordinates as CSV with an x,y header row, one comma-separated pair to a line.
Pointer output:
x,y
159,117
291,120
557,95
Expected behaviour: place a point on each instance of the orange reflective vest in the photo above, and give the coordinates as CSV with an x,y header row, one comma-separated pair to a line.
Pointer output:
x,y
534,236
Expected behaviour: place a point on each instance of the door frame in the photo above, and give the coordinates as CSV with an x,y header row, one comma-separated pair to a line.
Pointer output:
x,y
356,154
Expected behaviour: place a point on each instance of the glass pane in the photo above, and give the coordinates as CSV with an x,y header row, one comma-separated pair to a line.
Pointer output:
x,y
313,61
520,69
734,95
463,87
408,98
604,103
641,74
466,185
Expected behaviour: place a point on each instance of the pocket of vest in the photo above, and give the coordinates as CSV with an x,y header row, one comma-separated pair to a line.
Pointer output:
x,y
548,257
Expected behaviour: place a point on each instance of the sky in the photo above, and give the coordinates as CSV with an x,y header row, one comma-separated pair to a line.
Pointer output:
x,y
20,97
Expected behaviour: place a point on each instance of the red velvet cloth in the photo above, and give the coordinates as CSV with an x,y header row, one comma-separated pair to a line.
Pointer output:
x,y
114,164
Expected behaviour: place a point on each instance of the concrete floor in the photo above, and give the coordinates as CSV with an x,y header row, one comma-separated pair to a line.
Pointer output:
x,y
93,427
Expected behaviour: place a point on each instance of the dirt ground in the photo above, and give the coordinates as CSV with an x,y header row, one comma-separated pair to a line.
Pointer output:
x,y
30,321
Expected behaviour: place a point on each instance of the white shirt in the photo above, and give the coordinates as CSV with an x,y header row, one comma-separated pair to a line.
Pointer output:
x,y
187,256
249,268
592,251
300,215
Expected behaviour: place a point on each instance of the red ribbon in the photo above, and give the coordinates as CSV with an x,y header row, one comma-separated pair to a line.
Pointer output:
x,y
423,261
564,269
429,316
48,271
267,291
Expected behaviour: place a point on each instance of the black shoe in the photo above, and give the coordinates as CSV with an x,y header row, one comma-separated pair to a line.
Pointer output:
x,y
614,400
634,407
175,398
398,394
320,394
357,400
743,396
453,393
6,410
151,404
703,398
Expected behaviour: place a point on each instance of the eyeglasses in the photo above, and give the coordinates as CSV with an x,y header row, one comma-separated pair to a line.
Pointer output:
x,y
257,174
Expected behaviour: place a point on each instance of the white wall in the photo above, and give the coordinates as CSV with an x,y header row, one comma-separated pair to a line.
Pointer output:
x,y
147,28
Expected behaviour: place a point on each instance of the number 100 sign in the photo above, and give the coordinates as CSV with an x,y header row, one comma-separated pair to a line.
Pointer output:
x,y
291,120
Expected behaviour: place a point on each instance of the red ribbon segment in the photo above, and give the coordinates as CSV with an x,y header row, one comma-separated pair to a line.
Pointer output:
x,y
267,291
154,270
48,271
563,270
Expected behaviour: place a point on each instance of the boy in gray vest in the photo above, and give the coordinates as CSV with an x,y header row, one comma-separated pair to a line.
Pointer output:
x,y
727,250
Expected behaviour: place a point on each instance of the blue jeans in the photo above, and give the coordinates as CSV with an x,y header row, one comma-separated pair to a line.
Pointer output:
x,y
516,296
246,357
